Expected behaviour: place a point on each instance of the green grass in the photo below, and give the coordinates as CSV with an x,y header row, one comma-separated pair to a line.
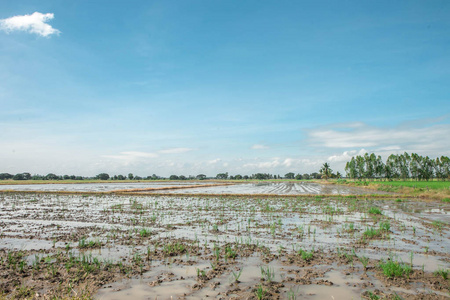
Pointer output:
x,y
393,269
442,272
83,244
432,185
374,211
307,256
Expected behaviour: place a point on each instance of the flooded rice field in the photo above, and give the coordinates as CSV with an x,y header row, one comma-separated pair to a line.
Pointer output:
x,y
200,187
235,247
276,188
97,187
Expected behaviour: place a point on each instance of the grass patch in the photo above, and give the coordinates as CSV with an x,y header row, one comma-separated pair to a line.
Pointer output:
x,y
375,211
433,185
393,269
441,272
85,244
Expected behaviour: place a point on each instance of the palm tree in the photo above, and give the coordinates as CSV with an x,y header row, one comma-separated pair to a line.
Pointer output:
x,y
326,171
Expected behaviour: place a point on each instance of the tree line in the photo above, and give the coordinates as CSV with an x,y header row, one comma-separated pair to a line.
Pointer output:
x,y
398,166
130,176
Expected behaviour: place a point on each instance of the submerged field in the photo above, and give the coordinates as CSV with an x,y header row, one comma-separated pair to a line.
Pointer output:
x,y
235,247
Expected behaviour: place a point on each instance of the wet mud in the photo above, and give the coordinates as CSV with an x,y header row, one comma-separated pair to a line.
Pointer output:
x,y
177,247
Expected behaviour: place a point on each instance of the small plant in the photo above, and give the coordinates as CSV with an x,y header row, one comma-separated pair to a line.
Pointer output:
x,y
441,272
307,256
371,233
372,296
393,269
267,273
201,274
365,261
396,297
291,294
236,275
229,252
260,292
438,225
374,211
145,232
385,226
83,243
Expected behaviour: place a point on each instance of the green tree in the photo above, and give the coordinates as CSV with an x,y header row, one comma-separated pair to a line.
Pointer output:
x,y
222,176
350,169
201,177
289,175
4,176
326,171
102,176
130,176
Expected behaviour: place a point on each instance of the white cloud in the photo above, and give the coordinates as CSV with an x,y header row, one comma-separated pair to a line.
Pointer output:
x,y
132,155
277,164
346,155
259,147
34,23
401,138
214,161
175,150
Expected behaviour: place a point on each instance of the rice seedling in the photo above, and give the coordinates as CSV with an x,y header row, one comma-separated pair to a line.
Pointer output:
x,y
236,275
371,233
365,261
374,211
267,273
260,292
438,225
83,243
393,269
441,272
145,232
385,226
305,255
372,296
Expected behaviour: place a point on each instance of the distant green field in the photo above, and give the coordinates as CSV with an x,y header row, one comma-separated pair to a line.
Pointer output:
x,y
434,185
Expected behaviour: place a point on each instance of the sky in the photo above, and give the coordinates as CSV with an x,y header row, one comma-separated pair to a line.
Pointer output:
x,y
205,87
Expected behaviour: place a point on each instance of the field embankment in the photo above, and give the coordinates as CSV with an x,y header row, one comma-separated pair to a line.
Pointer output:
x,y
439,190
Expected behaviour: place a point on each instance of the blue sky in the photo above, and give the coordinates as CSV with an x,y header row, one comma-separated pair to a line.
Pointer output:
x,y
189,87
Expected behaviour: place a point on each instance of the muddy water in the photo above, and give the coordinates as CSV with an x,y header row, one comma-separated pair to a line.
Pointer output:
x,y
96,187
278,188
272,230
